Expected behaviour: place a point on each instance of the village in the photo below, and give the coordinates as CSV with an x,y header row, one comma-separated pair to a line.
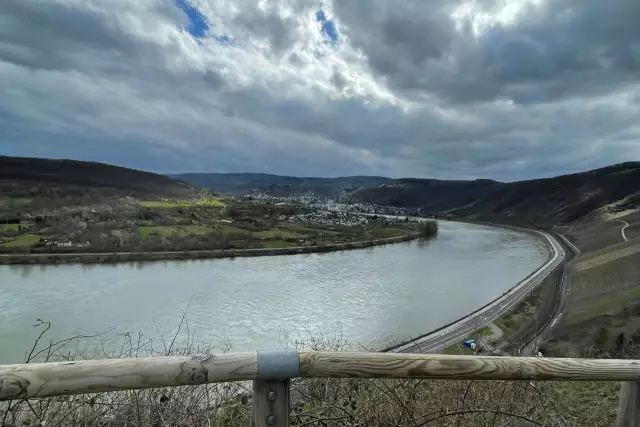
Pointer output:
x,y
320,210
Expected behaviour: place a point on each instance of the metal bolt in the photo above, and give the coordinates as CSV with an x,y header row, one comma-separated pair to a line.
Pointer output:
x,y
271,419
272,395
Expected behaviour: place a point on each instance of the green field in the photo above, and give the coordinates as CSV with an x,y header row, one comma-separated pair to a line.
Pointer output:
x,y
22,241
166,231
278,234
15,227
211,202
277,244
187,230
9,227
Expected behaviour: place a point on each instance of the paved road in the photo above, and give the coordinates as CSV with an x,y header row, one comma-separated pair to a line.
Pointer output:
x,y
458,331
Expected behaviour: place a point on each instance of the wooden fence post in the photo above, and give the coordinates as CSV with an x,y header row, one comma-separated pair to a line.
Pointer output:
x,y
629,405
270,403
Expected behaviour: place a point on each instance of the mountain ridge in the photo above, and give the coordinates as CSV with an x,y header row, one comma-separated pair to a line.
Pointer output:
x,y
20,174
277,185
543,201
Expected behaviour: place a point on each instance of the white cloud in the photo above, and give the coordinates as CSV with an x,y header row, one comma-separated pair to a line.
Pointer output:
x,y
442,88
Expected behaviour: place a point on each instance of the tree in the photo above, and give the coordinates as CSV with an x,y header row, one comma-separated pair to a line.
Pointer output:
x,y
427,228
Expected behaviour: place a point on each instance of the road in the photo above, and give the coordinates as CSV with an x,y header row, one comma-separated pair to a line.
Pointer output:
x,y
454,333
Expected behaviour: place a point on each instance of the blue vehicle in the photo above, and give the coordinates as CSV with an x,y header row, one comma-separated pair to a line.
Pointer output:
x,y
470,343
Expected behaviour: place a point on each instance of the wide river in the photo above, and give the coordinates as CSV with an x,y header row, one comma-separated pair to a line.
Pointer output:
x,y
370,296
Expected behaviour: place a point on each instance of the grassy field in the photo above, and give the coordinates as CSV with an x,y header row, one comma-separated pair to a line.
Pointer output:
x,y
166,231
16,227
9,227
21,241
277,244
278,234
167,204
195,230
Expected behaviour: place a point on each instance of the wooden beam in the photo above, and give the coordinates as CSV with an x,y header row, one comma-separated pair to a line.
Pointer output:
x,y
394,365
95,376
270,403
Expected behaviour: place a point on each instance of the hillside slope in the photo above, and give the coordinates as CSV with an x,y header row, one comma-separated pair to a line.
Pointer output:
x,y
541,201
36,177
277,185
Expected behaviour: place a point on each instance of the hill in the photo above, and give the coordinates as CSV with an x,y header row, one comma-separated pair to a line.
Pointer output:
x,y
276,185
33,177
543,202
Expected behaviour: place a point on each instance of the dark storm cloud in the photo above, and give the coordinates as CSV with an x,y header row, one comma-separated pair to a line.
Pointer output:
x,y
406,90
560,49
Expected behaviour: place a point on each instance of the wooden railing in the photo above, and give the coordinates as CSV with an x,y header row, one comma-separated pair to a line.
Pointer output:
x,y
271,371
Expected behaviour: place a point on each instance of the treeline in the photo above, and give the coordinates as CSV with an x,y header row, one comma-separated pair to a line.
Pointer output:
x,y
427,228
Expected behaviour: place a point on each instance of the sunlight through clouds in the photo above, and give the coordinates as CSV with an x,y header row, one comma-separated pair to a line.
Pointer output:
x,y
323,88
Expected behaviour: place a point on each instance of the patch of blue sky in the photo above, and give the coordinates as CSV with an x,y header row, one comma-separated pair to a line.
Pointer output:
x,y
328,28
330,34
198,26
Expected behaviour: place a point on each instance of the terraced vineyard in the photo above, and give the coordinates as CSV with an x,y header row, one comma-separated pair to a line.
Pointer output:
x,y
633,231
612,269
590,238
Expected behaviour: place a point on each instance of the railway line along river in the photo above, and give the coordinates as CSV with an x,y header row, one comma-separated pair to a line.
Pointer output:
x,y
377,295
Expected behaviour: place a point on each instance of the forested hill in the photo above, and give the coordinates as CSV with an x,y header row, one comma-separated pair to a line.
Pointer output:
x,y
541,201
34,175
277,185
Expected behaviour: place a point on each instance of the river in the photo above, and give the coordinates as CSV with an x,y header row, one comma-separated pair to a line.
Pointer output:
x,y
369,296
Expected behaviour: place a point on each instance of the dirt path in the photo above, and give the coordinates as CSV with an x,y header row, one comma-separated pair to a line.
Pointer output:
x,y
626,224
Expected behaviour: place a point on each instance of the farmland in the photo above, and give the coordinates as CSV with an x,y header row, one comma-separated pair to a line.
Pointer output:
x,y
607,271
595,235
21,241
607,264
204,201
204,223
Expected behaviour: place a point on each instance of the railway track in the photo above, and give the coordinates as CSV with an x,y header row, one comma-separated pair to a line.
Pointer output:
x,y
549,312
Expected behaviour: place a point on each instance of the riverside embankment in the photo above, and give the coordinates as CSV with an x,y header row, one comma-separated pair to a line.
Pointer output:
x,y
115,257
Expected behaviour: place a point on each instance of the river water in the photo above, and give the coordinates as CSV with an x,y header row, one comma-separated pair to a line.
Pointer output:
x,y
370,296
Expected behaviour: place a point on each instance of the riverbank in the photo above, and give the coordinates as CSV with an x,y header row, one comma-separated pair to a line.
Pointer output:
x,y
121,257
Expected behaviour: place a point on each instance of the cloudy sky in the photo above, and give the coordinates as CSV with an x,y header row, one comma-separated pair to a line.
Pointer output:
x,y
503,89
